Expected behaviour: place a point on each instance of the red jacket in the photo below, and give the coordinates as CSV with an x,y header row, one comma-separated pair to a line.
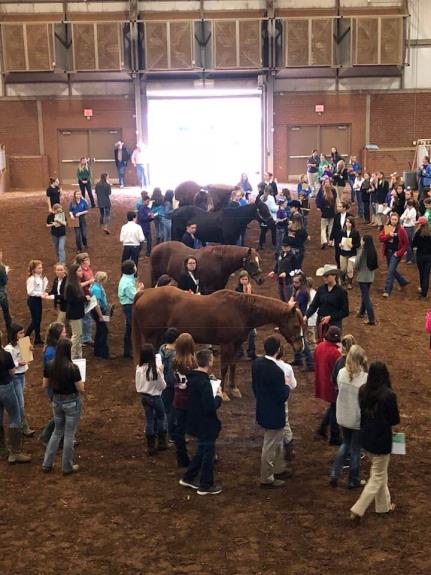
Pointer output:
x,y
403,241
325,358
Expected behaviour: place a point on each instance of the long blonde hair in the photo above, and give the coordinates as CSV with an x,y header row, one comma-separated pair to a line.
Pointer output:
x,y
356,361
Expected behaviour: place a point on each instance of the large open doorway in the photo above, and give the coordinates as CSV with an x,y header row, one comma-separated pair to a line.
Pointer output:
x,y
205,139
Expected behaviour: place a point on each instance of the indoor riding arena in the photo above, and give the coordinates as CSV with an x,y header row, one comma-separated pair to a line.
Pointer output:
x,y
215,250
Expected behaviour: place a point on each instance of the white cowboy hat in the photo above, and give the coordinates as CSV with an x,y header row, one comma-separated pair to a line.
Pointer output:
x,y
326,268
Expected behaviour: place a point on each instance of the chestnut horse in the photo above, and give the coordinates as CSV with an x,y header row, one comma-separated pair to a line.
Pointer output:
x,y
223,318
218,195
215,263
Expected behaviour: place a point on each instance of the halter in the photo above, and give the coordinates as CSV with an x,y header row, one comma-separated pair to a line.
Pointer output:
x,y
244,265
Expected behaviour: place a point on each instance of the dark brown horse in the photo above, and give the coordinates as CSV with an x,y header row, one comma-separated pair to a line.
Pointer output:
x,y
215,263
189,194
223,318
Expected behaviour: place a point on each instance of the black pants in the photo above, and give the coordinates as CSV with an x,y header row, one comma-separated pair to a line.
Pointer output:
x,y
424,267
101,348
262,237
4,304
149,242
87,188
127,310
367,212
130,253
183,459
203,463
35,307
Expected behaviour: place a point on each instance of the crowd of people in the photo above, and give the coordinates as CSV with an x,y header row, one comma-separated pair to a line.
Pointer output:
x,y
176,386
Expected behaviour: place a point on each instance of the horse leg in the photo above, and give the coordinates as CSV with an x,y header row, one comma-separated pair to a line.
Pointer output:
x,y
224,368
232,383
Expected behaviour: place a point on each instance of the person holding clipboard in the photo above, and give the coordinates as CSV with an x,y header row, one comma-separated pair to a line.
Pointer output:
x,y
78,209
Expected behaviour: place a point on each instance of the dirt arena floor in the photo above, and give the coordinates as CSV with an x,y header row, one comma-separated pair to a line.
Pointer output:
x,y
125,514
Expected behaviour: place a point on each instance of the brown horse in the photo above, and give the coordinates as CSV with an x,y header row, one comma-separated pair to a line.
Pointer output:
x,y
215,263
188,193
223,318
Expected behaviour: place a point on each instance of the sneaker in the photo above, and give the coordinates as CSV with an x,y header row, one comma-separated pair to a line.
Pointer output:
x,y
213,490
385,294
276,483
190,484
357,484
75,469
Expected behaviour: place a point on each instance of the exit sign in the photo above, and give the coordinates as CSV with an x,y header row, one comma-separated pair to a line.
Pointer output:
x,y
88,112
319,108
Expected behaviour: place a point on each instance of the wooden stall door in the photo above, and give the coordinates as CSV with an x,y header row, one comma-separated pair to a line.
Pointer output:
x,y
73,145
102,153
301,140
338,136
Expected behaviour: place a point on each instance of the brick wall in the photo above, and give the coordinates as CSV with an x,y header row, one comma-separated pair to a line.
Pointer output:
x,y
28,172
291,109
18,127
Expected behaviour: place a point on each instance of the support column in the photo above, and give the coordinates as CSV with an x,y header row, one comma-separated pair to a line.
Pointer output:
x,y
268,124
367,118
40,127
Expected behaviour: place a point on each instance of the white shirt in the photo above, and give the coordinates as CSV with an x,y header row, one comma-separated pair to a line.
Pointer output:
x,y
150,386
17,357
36,285
131,234
312,321
272,206
348,410
408,219
138,157
343,216
358,183
289,376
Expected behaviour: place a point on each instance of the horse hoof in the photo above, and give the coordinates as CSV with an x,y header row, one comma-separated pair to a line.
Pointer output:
x,y
225,396
235,392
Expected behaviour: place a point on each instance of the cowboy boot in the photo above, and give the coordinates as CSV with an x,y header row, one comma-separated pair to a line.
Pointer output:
x,y
25,428
3,449
16,454
151,444
163,441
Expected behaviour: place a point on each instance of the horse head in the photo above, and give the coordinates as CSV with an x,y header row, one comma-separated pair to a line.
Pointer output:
x,y
263,214
291,325
251,263
201,200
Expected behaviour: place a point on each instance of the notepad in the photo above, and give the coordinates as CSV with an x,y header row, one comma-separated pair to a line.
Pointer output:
x,y
82,366
399,443
25,348
215,384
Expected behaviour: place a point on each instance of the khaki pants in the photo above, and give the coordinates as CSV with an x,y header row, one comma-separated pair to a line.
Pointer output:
x,y
376,488
325,229
346,266
61,317
311,336
272,459
76,327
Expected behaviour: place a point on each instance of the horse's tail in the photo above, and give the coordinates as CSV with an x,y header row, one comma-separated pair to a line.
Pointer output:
x,y
136,332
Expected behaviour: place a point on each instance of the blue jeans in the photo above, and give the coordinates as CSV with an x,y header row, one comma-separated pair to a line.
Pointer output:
x,y
424,267
203,462
18,385
81,234
360,203
167,226
393,274
410,254
87,328
158,225
154,414
9,403
59,246
127,311
366,305
101,348
280,232
66,416
168,398
142,178
351,444
105,216
306,352
121,173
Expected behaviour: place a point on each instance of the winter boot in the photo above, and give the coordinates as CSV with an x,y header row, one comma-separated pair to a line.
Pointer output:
x,y
289,452
25,428
3,449
163,443
151,443
15,447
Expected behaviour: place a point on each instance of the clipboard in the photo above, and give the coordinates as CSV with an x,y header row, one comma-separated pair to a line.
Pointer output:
x,y
399,443
91,304
215,384
72,222
24,347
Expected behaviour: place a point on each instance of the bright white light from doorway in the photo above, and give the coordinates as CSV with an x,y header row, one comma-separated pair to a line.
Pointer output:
x,y
208,140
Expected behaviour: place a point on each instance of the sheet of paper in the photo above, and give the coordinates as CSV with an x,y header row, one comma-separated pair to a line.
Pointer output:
x,y
24,347
82,365
106,318
215,384
399,443
91,304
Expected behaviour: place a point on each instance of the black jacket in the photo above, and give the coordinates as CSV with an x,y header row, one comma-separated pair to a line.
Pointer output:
x,y
186,283
333,303
75,304
188,240
202,420
271,392
356,240
423,244
125,157
340,178
382,191
285,263
337,230
59,299
376,425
